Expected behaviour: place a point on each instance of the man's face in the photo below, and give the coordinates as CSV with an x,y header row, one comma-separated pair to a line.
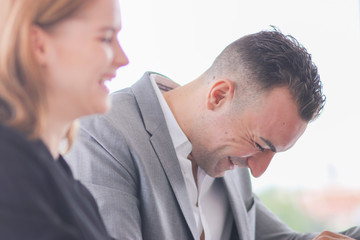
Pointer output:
x,y
247,138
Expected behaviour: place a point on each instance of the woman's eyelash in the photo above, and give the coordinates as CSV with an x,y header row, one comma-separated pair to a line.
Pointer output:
x,y
107,40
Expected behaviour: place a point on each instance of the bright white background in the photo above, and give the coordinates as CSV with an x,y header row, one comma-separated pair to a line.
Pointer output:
x,y
180,39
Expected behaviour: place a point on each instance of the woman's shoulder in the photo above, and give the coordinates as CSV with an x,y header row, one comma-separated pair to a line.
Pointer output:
x,y
16,144
22,159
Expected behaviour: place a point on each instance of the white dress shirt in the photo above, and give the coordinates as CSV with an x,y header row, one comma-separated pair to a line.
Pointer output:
x,y
209,200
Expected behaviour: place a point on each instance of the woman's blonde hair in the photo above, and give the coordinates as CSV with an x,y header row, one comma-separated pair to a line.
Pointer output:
x,y
22,96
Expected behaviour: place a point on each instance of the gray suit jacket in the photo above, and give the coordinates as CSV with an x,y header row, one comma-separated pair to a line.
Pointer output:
x,y
127,160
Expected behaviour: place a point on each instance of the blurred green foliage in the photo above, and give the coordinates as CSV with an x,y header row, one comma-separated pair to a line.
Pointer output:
x,y
286,205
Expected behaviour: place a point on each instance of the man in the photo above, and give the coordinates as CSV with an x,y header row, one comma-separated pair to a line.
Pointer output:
x,y
158,163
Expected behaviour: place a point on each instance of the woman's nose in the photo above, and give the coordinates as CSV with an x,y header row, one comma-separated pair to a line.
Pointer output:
x,y
120,58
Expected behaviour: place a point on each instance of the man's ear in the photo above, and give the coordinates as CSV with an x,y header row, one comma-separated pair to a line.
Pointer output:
x,y
220,92
39,44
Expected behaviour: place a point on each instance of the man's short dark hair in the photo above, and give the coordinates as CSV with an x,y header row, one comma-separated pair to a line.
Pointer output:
x,y
270,59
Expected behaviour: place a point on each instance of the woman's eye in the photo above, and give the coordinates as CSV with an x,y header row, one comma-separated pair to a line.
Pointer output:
x,y
258,146
106,40
108,36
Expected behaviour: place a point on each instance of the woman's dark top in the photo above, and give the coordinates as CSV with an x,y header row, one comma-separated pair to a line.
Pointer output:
x,y
39,198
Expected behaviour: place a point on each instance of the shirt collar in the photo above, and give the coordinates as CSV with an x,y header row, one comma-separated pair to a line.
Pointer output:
x,y
179,139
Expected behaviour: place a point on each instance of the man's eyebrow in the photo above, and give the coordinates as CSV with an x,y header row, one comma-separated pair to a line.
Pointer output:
x,y
269,143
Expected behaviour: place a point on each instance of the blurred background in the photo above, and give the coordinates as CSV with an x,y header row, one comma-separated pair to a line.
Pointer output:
x,y
315,185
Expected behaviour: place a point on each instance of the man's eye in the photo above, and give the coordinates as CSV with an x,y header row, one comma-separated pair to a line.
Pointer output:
x,y
259,147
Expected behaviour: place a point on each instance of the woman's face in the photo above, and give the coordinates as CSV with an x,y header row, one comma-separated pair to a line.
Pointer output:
x,y
82,53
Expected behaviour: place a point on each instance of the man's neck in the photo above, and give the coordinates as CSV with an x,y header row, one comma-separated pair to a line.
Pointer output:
x,y
194,167
184,103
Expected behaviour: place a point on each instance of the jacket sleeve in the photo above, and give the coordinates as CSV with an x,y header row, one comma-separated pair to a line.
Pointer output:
x,y
103,163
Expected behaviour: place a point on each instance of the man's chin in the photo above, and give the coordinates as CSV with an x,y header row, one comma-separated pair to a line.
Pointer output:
x,y
213,173
218,175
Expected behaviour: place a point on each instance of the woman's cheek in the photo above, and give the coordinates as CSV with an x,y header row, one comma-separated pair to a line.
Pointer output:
x,y
109,53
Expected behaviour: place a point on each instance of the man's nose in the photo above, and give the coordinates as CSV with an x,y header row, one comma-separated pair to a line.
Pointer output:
x,y
260,162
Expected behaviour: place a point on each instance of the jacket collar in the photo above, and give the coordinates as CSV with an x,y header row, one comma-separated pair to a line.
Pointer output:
x,y
160,139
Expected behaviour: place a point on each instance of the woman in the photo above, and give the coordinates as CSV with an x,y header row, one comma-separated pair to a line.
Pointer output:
x,y
55,56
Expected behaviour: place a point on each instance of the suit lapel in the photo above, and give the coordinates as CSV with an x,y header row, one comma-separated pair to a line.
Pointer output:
x,y
238,209
160,139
